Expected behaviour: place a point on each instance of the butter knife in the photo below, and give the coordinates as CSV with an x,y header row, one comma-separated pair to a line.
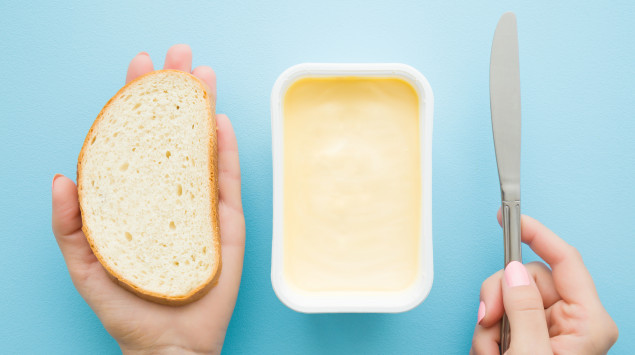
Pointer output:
x,y
504,89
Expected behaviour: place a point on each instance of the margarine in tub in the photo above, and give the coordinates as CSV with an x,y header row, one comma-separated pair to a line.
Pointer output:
x,y
351,145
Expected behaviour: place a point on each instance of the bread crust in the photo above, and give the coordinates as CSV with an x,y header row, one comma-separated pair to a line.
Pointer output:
x,y
212,280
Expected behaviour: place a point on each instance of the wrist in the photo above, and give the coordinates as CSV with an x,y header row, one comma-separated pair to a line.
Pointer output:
x,y
165,350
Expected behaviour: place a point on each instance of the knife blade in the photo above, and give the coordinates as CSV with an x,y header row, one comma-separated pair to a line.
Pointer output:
x,y
504,81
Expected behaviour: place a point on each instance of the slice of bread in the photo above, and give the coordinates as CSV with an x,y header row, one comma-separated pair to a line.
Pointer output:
x,y
147,178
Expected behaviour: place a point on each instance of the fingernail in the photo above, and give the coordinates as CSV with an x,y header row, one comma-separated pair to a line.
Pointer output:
x,y
481,312
516,274
144,53
55,178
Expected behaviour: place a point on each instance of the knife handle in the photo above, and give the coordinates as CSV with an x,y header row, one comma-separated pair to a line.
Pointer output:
x,y
512,245
511,231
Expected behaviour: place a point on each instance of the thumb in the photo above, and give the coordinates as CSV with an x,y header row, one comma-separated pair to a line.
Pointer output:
x,y
67,227
525,311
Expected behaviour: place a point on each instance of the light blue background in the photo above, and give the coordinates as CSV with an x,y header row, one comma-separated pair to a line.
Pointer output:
x,y
61,62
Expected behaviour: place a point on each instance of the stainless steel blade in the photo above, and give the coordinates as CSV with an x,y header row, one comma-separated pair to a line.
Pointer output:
x,y
504,88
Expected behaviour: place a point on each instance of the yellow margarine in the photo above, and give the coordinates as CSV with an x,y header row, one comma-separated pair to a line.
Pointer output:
x,y
352,184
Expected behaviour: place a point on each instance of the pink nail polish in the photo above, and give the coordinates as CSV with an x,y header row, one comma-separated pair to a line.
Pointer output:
x,y
481,312
55,178
516,274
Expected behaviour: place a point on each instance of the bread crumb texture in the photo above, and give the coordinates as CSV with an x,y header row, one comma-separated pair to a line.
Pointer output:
x,y
145,185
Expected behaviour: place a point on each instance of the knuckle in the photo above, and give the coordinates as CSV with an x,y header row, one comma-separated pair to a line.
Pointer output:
x,y
612,332
575,311
67,211
538,265
517,350
491,283
528,305
573,253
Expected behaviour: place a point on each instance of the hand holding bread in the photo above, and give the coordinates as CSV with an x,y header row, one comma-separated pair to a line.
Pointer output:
x,y
138,324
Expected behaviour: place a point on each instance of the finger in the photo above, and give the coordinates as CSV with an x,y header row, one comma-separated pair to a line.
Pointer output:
x,y
544,281
208,76
524,309
66,218
139,65
571,277
228,165
485,340
232,222
179,57
492,294
232,229
67,224
492,298
552,318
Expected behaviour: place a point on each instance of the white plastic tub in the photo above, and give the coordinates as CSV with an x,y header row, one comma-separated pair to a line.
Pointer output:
x,y
347,300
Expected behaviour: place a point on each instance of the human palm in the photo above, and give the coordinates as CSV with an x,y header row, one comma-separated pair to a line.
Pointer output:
x,y
143,326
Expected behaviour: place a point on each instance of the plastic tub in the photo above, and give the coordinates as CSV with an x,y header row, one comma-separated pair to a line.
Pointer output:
x,y
309,299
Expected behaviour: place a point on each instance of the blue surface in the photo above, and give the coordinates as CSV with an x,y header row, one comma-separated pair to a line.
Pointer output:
x,y
60,63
